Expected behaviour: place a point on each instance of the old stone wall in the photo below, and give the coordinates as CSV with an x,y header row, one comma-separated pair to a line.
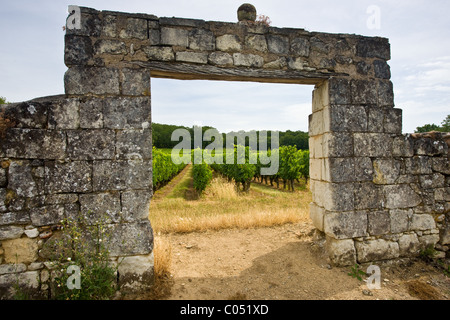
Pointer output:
x,y
377,194
61,157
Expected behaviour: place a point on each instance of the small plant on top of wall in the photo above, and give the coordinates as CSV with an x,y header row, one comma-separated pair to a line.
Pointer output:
x,y
81,262
264,20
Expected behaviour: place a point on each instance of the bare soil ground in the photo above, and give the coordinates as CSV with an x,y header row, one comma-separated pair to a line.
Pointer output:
x,y
284,263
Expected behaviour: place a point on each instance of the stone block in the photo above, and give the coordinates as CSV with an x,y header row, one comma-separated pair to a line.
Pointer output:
x,y
300,47
134,29
337,144
107,46
364,92
68,177
339,91
386,171
376,250
317,214
403,146
201,39
373,48
91,114
375,119
220,59
277,64
192,57
98,207
435,180
297,63
248,60
422,222
379,223
368,196
381,69
316,147
409,245
429,240
122,175
12,268
134,144
363,169
385,93
341,252
135,82
64,115
400,220
348,118
21,181
228,42
159,53
315,169
29,114
278,44
91,80
35,144
321,98
429,147
346,225
401,196
418,165
393,121
109,27
22,250
10,232
136,273
78,50
135,205
127,113
317,123
340,169
256,42
16,218
48,215
319,46
91,144
372,145
129,239
174,37
441,165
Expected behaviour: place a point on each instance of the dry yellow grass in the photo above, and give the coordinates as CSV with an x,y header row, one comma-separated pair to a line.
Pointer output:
x,y
221,208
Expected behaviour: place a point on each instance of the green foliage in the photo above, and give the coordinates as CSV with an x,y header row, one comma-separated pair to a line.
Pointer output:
x,y
3,100
445,126
356,272
163,168
84,246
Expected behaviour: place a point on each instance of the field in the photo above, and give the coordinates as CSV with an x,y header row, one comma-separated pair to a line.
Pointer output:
x,y
260,245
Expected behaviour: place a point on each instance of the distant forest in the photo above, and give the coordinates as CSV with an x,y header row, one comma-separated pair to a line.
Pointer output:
x,y
162,133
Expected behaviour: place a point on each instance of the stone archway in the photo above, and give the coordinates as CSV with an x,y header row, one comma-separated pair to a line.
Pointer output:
x,y
377,194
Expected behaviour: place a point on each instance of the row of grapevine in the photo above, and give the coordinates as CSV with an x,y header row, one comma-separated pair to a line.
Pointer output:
x,y
163,168
202,173
293,165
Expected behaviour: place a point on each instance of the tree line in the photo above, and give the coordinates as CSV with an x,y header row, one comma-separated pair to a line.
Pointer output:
x,y
162,133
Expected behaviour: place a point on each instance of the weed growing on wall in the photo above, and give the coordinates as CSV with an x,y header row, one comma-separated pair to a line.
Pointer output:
x,y
82,268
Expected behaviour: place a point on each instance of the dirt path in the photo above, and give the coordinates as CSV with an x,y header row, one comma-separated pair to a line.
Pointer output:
x,y
167,189
283,263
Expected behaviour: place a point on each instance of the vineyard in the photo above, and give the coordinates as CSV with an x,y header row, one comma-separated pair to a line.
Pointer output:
x,y
245,166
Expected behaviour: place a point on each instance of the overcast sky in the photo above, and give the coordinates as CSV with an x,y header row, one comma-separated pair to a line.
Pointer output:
x,y
32,58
